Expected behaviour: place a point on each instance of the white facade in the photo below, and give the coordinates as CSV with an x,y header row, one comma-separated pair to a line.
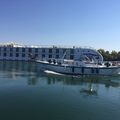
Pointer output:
x,y
19,52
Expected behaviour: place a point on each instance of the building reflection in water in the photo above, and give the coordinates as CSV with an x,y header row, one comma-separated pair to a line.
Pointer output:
x,y
32,72
32,81
15,69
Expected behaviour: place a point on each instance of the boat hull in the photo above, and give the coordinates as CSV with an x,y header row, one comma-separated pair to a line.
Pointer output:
x,y
74,70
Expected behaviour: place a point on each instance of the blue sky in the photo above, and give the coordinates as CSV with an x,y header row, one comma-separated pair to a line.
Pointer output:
x,y
94,23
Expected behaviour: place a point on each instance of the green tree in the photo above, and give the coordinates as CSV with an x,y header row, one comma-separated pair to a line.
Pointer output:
x,y
114,55
110,56
118,56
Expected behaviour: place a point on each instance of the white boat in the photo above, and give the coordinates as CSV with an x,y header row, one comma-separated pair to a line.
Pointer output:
x,y
14,51
72,67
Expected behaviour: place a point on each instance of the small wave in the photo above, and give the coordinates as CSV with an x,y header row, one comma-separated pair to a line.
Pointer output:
x,y
52,72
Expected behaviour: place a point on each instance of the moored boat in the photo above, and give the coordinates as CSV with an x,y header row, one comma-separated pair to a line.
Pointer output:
x,y
72,67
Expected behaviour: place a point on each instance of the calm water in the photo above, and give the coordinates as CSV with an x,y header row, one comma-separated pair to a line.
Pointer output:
x,y
28,94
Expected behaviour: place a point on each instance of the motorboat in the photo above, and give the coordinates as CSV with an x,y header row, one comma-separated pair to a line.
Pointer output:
x,y
71,67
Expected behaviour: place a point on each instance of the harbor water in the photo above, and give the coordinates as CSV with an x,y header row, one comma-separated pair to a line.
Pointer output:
x,y
27,93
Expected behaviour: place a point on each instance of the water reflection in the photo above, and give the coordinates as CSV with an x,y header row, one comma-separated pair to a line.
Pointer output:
x,y
27,92
19,66
32,72
90,90
68,80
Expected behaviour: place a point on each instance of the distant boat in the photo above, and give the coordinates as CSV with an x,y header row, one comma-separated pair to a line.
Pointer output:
x,y
71,67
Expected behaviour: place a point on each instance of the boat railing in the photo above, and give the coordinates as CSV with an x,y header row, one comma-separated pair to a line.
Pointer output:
x,y
13,44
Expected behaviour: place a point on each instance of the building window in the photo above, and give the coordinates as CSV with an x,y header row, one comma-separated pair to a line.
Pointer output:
x,y
57,50
4,54
17,49
71,57
30,50
43,55
36,55
71,51
11,54
11,49
5,49
36,50
43,50
50,50
64,50
17,55
50,56
57,56
23,55
23,49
